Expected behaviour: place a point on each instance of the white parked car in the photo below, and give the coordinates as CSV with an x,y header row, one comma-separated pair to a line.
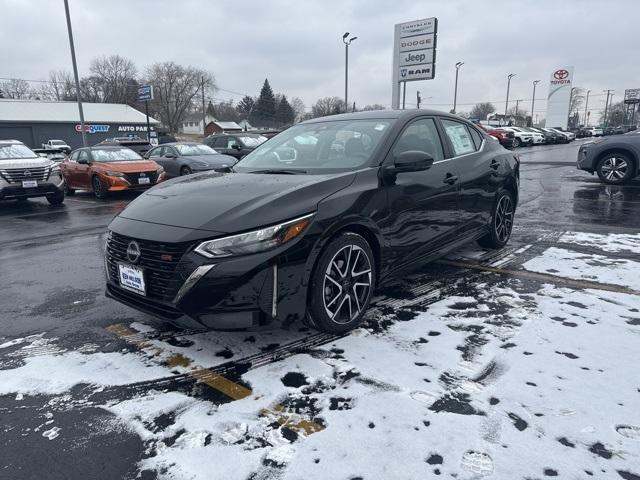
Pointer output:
x,y
57,145
538,138
596,131
520,136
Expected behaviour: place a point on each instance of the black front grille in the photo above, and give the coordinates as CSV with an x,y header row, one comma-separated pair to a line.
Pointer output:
x,y
15,175
158,260
133,178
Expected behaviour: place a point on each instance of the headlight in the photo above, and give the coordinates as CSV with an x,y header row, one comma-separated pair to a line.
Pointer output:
x,y
256,241
114,174
160,170
55,168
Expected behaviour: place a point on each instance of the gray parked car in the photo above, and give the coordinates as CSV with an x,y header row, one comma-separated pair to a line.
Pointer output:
x,y
184,158
614,159
23,174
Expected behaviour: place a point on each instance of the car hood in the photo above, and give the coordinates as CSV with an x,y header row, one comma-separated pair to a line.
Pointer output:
x,y
233,202
131,166
214,160
26,163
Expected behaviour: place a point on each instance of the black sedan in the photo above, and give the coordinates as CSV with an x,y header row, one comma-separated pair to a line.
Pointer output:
x,y
311,222
183,158
615,159
235,144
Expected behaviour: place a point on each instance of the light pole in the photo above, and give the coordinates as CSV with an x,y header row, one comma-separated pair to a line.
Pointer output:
x,y
533,99
586,105
75,73
455,92
506,104
606,106
346,67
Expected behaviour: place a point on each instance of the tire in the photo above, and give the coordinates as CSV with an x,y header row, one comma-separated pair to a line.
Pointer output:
x,y
98,188
56,198
615,168
185,171
329,309
70,191
501,222
516,142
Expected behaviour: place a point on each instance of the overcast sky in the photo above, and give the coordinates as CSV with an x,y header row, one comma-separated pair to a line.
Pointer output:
x,y
297,45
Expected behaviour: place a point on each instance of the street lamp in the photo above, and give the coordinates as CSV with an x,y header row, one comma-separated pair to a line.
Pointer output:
x,y
506,104
533,100
346,67
75,73
455,92
586,105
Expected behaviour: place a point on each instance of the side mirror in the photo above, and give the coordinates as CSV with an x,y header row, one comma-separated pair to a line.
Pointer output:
x,y
412,161
235,146
83,161
169,155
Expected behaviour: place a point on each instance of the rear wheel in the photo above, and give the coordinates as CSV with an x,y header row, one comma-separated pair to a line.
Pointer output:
x,y
98,189
70,191
56,198
501,222
185,171
615,169
516,142
341,284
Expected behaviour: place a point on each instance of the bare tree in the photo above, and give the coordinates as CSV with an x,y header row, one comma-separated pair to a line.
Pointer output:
x,y
482,110
375,106
176,88
116,78
577,99
299,108
60,86
328,106
16,88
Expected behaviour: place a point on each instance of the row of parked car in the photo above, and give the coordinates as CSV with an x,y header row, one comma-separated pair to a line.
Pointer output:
x,y
513,137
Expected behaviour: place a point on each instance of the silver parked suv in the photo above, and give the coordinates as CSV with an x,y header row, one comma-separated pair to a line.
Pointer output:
x,y
23,174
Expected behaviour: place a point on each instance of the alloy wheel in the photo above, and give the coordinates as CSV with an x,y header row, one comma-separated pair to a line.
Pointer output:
x,y
347,284
504,218
97,187
614,169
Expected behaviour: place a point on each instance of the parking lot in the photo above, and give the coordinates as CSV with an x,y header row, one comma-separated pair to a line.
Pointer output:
x,y
517,363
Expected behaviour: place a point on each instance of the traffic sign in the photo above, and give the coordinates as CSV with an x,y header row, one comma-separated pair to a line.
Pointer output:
x,y
145,92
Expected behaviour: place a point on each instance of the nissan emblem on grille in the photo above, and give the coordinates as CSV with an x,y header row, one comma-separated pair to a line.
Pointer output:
x,y
26,173
133,251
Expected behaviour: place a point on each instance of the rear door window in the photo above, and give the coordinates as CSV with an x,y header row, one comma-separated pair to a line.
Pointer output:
x,y
459,136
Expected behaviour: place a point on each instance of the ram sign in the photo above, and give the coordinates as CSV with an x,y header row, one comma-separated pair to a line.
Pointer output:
x,y
414,53
559,97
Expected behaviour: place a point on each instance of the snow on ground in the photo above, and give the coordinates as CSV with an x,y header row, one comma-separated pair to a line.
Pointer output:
x,y
580,266
612,242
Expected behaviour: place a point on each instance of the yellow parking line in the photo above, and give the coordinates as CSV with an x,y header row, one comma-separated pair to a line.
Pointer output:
x,y
286,419
543,277
222,384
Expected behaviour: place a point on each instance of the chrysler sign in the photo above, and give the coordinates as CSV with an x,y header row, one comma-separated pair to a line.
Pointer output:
x,y
414,53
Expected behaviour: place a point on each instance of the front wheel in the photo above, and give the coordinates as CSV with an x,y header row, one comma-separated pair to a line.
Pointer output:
x,y
56,198
501,222
98,189
615,169
341,284
516,142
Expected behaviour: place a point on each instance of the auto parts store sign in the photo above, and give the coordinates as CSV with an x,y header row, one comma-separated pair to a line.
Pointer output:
x,y
92,128
414,53
559,97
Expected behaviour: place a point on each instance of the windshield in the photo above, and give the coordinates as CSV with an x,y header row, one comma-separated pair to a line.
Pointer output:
x,y
318,147
195,149
253,141
114,155
9,152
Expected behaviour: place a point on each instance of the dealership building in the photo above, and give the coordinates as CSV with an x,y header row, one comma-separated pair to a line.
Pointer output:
x,y
33,122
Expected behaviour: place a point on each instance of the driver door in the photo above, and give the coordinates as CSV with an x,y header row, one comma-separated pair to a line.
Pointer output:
x,y
83,171
423,211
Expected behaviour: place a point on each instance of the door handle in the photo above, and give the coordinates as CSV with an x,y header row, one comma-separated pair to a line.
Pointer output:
x,y
494,164
450,179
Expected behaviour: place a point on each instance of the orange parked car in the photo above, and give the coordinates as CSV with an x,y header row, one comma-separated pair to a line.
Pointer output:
x,y
106,169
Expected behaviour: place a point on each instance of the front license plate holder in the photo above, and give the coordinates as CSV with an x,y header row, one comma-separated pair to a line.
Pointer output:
x,y
132,279
29,184
144,181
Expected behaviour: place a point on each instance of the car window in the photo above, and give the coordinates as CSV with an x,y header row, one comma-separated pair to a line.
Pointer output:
x,y
421,135
220,142
83,155
477,138
459,136
74,156
191,149
231,141
156,152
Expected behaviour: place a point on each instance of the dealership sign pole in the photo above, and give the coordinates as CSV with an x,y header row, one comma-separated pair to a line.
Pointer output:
x,y
559,97
414,54
145,92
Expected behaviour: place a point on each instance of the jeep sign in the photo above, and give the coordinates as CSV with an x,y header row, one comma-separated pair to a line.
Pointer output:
x,y
414,53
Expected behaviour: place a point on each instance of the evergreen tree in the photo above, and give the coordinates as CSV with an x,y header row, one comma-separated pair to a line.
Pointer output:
x,y
265,108
211,111
246,106
284,113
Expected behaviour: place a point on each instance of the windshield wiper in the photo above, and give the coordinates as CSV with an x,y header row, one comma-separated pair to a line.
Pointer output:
x,y
283,171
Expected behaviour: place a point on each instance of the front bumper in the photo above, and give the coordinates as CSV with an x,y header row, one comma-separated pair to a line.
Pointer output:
x,y
585,160
224,293
129,182
9,191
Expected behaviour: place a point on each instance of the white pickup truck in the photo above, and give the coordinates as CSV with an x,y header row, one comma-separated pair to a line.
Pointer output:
x,y
58,145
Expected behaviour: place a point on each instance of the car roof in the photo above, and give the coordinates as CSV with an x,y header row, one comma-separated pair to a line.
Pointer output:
x,y
385,115
169,144
11,142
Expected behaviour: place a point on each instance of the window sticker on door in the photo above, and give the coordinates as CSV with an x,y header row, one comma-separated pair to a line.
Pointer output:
x,y
460,138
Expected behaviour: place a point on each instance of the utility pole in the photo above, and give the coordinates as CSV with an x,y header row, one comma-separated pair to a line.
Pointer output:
x,y
517,103
586,105
506,104
606,106
533,99
75,73
204,113
346,67
418,99
455,91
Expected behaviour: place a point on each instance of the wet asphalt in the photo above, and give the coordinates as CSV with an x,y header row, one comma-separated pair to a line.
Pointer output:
x,y
52,284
